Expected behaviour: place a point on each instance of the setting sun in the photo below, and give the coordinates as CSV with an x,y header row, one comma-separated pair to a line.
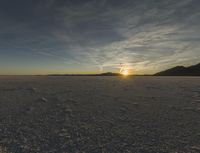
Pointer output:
x,y
125,72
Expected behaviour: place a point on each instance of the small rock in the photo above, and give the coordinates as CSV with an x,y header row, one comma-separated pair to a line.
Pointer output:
x,y
198,109
197,100
30,109
32,89
197,148
42,99
123,109
68,111
136,104
71,100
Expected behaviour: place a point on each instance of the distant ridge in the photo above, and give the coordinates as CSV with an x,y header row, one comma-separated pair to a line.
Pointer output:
x,y
110,74
193,70
102,74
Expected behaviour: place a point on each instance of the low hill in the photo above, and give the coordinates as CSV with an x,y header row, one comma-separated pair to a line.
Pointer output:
x,y
193,70
102,74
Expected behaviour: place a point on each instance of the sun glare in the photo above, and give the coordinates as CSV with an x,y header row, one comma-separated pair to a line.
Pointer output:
x,y
125,72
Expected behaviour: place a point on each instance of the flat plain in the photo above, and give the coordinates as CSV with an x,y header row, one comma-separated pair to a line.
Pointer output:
x,y
90,114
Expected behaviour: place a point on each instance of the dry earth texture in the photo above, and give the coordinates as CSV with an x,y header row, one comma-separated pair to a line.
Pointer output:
x,y
99,114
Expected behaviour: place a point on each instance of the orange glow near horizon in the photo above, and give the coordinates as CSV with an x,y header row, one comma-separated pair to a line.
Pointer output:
x,y
125,72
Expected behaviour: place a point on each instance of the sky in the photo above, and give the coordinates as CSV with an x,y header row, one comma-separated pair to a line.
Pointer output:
x,y
96,36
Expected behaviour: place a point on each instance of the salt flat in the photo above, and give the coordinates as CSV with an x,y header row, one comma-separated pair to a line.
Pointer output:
x,y
88,114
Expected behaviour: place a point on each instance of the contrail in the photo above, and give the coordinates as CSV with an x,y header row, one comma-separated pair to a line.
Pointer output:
x,y
121,68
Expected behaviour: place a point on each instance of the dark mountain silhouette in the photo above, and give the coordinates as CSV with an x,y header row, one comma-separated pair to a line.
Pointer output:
x,y
102,74
193,70
110,74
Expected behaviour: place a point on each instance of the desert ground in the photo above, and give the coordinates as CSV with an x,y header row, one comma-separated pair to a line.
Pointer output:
x,y
88,114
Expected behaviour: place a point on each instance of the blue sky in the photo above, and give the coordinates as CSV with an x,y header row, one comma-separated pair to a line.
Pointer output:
x,y
95,36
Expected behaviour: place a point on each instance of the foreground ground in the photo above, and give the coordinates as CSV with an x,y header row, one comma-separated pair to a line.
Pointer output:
x,y
99,114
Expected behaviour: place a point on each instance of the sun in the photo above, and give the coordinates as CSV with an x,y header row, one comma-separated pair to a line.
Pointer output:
x,y
125,72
